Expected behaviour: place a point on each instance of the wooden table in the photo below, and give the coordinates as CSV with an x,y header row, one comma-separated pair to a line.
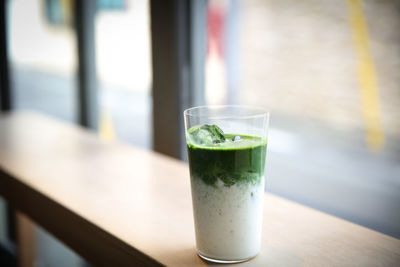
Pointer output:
x,y
117,205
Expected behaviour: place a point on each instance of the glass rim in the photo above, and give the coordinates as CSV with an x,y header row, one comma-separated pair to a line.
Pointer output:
x,y
258,112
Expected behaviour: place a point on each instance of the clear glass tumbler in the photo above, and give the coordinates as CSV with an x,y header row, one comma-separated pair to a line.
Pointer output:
x,y
226,150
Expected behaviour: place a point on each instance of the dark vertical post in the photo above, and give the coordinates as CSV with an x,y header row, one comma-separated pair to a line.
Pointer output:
x,y
173,78
5,96
168,73
85,12
5,92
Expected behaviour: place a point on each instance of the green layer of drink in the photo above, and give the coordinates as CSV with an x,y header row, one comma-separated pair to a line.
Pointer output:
x,y
231,162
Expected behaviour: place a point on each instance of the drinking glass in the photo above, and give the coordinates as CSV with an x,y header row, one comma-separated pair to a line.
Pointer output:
x,y
226,150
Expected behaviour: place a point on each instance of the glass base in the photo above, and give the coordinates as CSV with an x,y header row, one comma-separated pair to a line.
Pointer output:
x,y
222,260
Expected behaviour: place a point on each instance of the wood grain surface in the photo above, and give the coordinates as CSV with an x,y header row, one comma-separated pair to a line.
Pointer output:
x,y
117,205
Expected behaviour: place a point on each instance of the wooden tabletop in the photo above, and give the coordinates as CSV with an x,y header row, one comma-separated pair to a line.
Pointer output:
x,y
117,205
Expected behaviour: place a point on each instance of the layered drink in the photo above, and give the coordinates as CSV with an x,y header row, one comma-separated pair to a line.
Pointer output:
x,y
227,181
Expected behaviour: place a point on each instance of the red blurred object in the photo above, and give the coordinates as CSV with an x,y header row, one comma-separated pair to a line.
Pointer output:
x,y
215,25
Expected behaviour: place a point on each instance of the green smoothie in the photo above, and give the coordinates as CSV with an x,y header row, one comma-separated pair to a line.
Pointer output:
x,y
232,162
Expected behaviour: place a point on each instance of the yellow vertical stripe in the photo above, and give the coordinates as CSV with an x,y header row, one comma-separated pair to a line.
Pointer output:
x,y
366,76
106,129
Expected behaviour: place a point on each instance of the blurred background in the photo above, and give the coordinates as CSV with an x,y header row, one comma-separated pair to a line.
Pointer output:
x,y
328,71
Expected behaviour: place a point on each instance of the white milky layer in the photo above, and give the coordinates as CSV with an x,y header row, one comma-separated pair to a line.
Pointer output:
x,y
228,219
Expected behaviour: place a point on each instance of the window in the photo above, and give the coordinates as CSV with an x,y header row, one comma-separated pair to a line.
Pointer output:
x,y
43,56
326,73
124,71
